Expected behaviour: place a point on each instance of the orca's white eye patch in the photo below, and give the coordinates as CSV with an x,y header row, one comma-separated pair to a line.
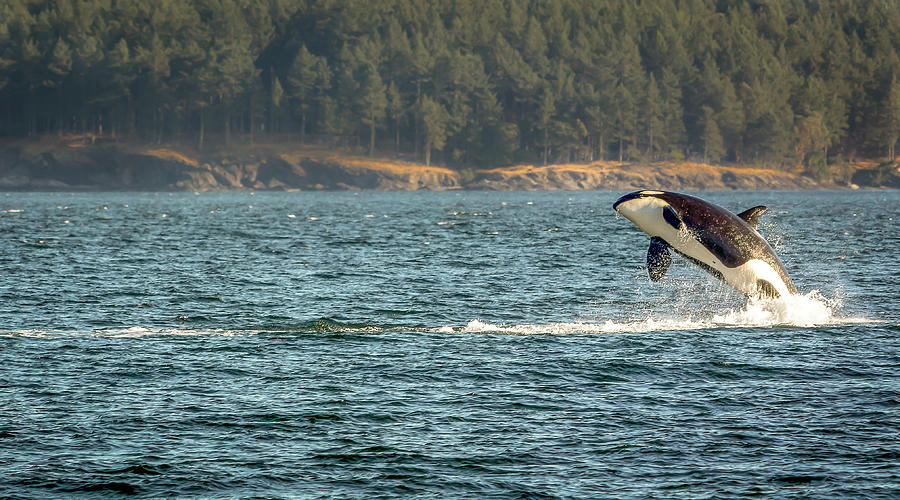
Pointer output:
x,y
671,217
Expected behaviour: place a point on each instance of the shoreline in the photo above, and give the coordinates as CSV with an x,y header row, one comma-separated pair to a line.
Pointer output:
x,y
70,164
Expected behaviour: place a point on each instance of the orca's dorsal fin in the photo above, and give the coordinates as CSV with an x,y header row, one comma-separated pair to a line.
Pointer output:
x,y
751,216
658,258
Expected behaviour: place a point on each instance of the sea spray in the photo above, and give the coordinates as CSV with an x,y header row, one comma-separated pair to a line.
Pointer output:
x,y
803,310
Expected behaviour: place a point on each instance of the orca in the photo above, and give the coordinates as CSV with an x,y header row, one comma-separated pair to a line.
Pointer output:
x,y
722,243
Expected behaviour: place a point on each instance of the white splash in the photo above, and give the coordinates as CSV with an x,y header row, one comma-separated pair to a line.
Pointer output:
x,y
805,311
811,309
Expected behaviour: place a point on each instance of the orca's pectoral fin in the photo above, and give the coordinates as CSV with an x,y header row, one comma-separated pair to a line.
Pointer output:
x,y
751,216
658,258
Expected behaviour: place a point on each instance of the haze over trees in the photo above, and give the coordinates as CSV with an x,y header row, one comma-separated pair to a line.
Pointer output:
x,y
465,82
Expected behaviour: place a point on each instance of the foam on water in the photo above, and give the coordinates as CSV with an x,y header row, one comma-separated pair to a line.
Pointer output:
x,y
805,311
130,332
138,332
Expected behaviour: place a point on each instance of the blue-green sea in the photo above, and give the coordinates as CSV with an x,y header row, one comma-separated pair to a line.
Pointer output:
x,y
438,345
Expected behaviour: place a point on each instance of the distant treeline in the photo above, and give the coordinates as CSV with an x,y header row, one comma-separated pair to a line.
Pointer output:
x,y
469,82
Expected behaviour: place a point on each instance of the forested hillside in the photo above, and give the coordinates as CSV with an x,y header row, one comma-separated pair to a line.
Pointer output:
x,y
480,82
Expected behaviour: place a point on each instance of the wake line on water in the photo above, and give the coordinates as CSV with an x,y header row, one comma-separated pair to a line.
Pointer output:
x,y
129,332
801,311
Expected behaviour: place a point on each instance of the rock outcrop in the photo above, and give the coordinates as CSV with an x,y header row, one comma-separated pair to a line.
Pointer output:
x,y
614,175
109,166
97,167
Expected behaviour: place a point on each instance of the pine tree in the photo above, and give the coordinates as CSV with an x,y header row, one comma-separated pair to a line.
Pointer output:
x,y
395,110
373,102
277,93
546,109
121,75
60,67
892,118
301,80
653,111
434,121
672,132
713,147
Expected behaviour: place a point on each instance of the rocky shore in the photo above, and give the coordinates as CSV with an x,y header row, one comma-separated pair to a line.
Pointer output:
x,y
77,166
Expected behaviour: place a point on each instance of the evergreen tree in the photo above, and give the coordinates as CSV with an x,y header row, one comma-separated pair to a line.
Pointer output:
x,y
395,110
277,93
301,79
373,102
672,132
713,146
434,121
892,119
653,111
812,135
546,109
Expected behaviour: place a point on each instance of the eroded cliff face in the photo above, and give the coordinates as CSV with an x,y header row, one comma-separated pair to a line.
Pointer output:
x,y
80,167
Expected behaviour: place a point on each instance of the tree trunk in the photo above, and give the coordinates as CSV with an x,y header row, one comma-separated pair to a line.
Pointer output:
x,y
31,117
427,153
159,126
202,126
252,123
227,126
546,146
416,120
60,120
372,138
303,128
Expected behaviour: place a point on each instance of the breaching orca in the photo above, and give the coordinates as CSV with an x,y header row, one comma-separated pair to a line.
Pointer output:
x,y
722,243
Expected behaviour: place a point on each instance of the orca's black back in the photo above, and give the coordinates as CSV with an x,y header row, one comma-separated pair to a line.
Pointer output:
x,y
725,234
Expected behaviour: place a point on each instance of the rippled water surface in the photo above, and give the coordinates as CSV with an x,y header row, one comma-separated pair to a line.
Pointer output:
x,y
458,344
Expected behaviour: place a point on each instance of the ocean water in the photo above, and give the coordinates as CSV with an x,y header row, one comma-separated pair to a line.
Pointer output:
x,y
455,344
